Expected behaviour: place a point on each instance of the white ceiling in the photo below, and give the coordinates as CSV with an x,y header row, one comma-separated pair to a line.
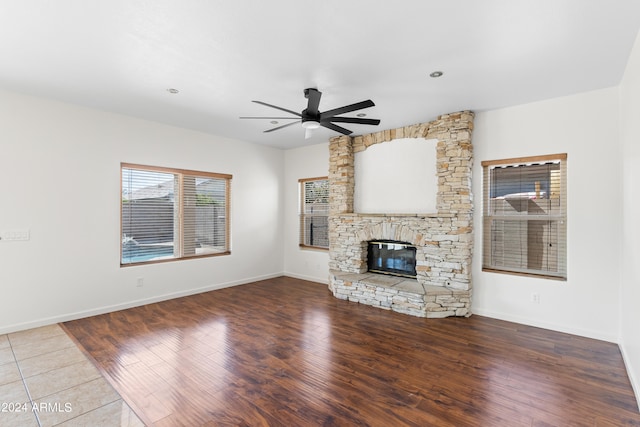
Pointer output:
x,y
123,55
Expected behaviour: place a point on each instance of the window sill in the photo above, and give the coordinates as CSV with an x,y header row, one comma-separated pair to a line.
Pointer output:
x,y
317,248
184,258
516,273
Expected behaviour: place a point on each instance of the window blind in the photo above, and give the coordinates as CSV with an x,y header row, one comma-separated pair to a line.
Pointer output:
x,y
169,214
525,215
314,212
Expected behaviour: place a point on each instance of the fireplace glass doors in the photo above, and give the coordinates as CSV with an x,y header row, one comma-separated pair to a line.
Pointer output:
x,y
392,257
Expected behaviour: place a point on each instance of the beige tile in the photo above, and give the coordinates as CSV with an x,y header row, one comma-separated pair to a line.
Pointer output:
x,y
4,341
42,346
9,373
46,362
35,335
60,379
13,392
76,401
116,414
22,418
6,356
65,385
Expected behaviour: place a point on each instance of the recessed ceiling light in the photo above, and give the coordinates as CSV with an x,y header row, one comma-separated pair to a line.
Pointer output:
x,y
361,114
172,90
274,122
436,74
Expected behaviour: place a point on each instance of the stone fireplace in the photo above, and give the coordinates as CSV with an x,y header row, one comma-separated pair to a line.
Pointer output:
x,y
443,240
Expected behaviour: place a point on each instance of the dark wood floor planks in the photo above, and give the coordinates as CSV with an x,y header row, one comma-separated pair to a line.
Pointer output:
x,y
285,352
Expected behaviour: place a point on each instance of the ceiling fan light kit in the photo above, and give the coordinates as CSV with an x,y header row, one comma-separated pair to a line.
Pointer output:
x,y
310,124
312,118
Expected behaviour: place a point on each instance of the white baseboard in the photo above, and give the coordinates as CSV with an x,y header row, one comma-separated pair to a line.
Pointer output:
x,y
631,373
544,325
324,280
130,304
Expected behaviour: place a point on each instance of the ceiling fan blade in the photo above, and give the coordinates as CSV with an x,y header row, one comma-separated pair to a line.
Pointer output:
x,y
278,108
336,128
283,126
314,101
347,109
353,120
272,118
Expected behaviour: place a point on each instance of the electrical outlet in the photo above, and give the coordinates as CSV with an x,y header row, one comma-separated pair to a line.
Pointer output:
x,y
140,282
535,298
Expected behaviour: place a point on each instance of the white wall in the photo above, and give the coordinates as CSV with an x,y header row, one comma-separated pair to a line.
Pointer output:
x,y
585,126
60,178
305,162
398,176
630,283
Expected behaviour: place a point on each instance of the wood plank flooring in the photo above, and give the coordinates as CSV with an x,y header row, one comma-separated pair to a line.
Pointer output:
x,y
285,352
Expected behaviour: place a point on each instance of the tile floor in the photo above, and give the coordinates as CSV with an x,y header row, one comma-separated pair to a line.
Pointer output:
x,y
45,380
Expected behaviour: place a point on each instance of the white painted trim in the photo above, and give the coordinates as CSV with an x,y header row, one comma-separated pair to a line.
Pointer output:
x,y
136,303
545,325
324,281
635,384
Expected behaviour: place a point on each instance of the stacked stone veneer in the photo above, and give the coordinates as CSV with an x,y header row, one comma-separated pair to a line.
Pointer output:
x,y
444,239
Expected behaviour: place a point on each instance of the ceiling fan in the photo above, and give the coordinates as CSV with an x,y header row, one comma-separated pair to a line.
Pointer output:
x,y
311,118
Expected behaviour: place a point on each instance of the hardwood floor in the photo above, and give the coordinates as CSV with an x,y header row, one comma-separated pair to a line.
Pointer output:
x,y
285,352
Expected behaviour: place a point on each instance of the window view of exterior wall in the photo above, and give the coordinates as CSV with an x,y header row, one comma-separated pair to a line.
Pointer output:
x,y
314,212
169,214
525,215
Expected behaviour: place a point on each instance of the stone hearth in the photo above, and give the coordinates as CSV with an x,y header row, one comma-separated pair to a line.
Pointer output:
x,y
406,296
444,239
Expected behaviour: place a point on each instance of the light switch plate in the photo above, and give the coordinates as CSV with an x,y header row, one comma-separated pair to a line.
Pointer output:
x,y
14,235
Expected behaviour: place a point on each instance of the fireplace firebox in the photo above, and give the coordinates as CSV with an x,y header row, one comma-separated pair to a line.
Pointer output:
x,y
392,257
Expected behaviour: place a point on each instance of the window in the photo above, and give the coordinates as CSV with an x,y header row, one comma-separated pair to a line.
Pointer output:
x,y
170,214
525,216
314,212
